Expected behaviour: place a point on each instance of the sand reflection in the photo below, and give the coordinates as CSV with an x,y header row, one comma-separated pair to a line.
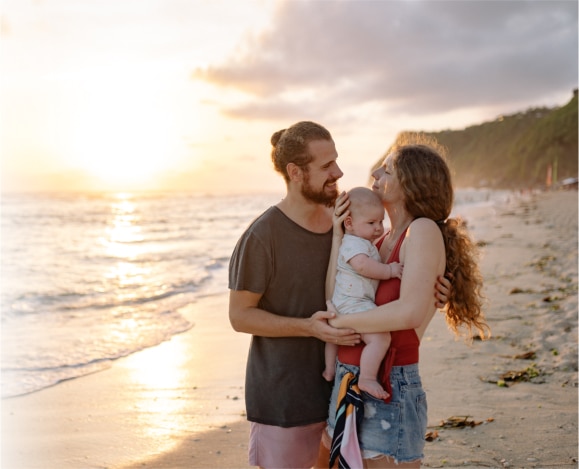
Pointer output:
x,y
161,386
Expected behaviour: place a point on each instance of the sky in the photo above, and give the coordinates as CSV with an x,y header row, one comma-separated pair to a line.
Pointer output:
x,y
126,95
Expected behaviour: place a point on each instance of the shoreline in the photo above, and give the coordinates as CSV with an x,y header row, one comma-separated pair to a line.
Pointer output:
x,y
141,408
180,404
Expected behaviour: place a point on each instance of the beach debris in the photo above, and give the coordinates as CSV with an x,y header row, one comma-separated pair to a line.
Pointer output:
x,y
431,436
456,421
523,375
459,421
542,262
513,376
517,290
522,356
526,356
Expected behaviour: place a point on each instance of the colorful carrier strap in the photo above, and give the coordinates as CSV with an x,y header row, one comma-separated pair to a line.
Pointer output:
x,y
349,415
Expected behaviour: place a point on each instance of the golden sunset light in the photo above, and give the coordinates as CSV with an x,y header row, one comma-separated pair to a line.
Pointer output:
x,y
151,253
123,135
125,95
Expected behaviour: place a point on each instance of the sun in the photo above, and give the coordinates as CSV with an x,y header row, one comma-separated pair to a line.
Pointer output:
x,y
124,134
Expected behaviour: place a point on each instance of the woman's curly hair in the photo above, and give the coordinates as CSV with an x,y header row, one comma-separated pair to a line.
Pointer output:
x,y
425,179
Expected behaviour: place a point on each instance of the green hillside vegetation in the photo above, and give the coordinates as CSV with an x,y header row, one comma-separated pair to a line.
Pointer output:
x,y
514,151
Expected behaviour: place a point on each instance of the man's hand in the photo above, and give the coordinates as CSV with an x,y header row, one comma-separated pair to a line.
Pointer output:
x,y
323,331
442,290
340,213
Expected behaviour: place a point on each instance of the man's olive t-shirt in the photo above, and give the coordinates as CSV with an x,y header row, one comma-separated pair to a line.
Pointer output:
x,y
287,264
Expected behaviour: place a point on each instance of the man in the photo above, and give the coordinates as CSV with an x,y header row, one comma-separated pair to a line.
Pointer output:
x,y
277,282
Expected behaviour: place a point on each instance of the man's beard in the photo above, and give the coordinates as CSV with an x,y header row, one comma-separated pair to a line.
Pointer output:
x,y
319,197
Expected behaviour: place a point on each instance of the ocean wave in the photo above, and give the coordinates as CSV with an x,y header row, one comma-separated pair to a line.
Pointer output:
x,y
48,361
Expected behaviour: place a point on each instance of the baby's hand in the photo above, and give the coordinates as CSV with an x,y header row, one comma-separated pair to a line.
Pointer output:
x,y
396,269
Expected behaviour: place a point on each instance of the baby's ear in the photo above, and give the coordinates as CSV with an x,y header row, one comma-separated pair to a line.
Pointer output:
x,y
348,223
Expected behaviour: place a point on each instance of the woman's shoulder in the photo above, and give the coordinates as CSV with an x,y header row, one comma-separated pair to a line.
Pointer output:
x,y
423,224
424,229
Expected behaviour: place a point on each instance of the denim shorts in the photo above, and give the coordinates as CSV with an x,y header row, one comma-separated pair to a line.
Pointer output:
x,y
395,429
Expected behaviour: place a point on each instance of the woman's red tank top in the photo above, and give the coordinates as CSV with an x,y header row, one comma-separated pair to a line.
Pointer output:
x,y
404,346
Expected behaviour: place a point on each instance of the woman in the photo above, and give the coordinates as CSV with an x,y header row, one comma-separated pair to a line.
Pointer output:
x,y
415,186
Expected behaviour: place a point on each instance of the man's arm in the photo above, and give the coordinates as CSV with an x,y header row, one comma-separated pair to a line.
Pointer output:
x,y
338,216
245,316
333,264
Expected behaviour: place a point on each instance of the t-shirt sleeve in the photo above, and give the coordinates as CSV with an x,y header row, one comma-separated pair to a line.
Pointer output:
x,y
352,246
250,265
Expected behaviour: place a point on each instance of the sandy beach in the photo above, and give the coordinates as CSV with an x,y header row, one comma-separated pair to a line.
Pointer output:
x,y
510,401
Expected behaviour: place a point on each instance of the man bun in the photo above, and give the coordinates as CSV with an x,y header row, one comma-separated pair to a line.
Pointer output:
x,y
276,136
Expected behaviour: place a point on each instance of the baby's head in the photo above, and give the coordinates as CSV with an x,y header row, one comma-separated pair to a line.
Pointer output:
x,y
366,214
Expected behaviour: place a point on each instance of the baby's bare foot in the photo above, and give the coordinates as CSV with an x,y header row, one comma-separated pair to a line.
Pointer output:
x,y
372,387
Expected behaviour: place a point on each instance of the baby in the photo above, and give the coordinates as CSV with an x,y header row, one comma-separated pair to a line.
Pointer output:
x,y
358,273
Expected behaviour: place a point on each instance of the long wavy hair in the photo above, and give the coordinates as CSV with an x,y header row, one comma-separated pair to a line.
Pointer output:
x,y
426,182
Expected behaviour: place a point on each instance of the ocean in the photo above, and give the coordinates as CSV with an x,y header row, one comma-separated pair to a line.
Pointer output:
x,y
90,278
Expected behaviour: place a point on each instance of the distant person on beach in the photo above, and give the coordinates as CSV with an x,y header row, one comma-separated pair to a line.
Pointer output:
x,y
277,278
414,184
359,270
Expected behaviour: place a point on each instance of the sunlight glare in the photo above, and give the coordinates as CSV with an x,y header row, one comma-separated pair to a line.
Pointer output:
x,y
161,376
122,242
124,133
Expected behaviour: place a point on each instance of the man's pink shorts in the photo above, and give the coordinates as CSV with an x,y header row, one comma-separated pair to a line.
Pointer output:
x,y
278,447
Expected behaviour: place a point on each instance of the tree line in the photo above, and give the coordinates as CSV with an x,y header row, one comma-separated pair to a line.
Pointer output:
x,y
514,151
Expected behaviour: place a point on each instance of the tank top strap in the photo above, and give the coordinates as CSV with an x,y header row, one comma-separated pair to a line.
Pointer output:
x,y
395,254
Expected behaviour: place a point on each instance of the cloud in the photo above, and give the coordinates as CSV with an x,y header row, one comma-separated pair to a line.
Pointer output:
x,y
419,57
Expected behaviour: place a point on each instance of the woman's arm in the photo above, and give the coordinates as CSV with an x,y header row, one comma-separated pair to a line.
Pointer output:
x,y
423,256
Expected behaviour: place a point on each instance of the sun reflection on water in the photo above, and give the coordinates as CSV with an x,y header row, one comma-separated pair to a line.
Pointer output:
x,y
123,242
124,229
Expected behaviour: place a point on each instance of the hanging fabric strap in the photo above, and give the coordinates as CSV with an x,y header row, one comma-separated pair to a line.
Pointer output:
x,y
349,414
